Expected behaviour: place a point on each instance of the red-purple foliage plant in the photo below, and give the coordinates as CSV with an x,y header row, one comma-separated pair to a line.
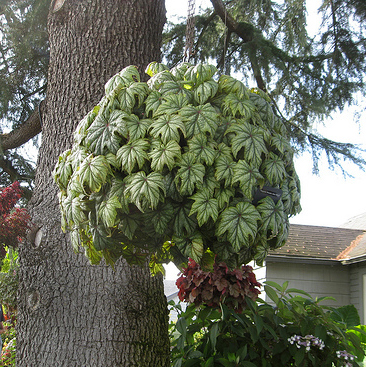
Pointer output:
x,y
14,221
220,286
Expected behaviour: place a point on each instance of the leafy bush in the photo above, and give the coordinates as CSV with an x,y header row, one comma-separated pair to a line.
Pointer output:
x,y
14,221
9,344
181,166
294,331
219,285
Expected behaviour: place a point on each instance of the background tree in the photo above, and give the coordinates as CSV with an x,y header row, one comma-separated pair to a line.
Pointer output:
x,y
24,57
307,76
70,311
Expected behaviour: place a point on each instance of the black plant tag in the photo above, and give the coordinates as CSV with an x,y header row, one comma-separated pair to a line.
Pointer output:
x,y
261,193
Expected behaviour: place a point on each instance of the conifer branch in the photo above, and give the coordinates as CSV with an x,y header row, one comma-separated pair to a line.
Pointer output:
x,y
28,130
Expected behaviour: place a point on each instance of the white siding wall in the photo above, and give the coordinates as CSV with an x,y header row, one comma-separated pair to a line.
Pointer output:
x,y
357,289
317,280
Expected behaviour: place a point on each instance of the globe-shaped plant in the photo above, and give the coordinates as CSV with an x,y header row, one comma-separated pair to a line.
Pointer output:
x,y
187,165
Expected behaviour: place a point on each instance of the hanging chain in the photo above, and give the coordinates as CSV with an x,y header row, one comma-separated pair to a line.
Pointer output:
x,y
188,51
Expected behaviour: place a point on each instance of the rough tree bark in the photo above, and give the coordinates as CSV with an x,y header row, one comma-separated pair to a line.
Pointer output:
x,y
72,313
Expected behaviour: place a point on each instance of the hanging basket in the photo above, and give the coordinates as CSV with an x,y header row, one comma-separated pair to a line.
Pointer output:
x,y
171,169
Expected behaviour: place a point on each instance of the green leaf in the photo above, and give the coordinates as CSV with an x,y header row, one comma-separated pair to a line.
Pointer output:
x,y
127,96
200,73
132,154
209,182
128,225
73,210
104,133
108,211
172,104
117,189
223,196
161,216
152,102
205,206
191,246
248,177
236,106
249,138
148,189
199,119
240,224
154,68
224,169
205,91
101,239
264,109
165,154
115,82
137,128
168,127
183,223
228,85
134,256
274,169
179,70
63,170
272,294
189,174
94,172
346,314
213,334
223,150
203,149
129,75
273,216
281,143
77,157
174,87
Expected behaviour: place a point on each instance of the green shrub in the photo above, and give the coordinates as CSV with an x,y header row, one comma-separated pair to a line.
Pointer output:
x,y
293,331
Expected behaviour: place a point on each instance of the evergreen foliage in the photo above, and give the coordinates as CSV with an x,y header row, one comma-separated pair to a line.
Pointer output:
x,y
307,76
24,56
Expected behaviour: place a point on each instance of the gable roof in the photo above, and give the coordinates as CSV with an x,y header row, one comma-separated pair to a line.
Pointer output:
x,y
326,243
356,222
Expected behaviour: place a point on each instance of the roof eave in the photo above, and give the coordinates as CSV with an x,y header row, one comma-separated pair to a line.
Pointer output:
x,y
353,260
303,260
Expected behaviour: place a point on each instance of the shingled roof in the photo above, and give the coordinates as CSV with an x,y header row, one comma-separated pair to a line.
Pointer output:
x,y
325,243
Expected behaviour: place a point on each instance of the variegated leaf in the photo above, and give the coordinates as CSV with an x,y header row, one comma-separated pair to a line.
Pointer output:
x,y
240,223
146,188
248,176
94,172
199,119
205,206
133,154
202,148
168,127
189,174
165,154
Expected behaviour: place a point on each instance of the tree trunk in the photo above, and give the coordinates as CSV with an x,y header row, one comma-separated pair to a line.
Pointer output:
x,y
72,313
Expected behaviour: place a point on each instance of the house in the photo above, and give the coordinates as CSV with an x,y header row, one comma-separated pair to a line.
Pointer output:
x,y
323,261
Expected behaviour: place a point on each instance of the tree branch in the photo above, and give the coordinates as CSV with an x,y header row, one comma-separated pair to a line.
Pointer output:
x,y
25,132
246,32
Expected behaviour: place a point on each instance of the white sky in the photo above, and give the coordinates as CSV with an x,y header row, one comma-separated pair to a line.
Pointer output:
x,y
327,199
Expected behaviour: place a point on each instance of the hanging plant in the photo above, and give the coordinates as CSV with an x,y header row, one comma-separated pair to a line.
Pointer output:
x,y
169,169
